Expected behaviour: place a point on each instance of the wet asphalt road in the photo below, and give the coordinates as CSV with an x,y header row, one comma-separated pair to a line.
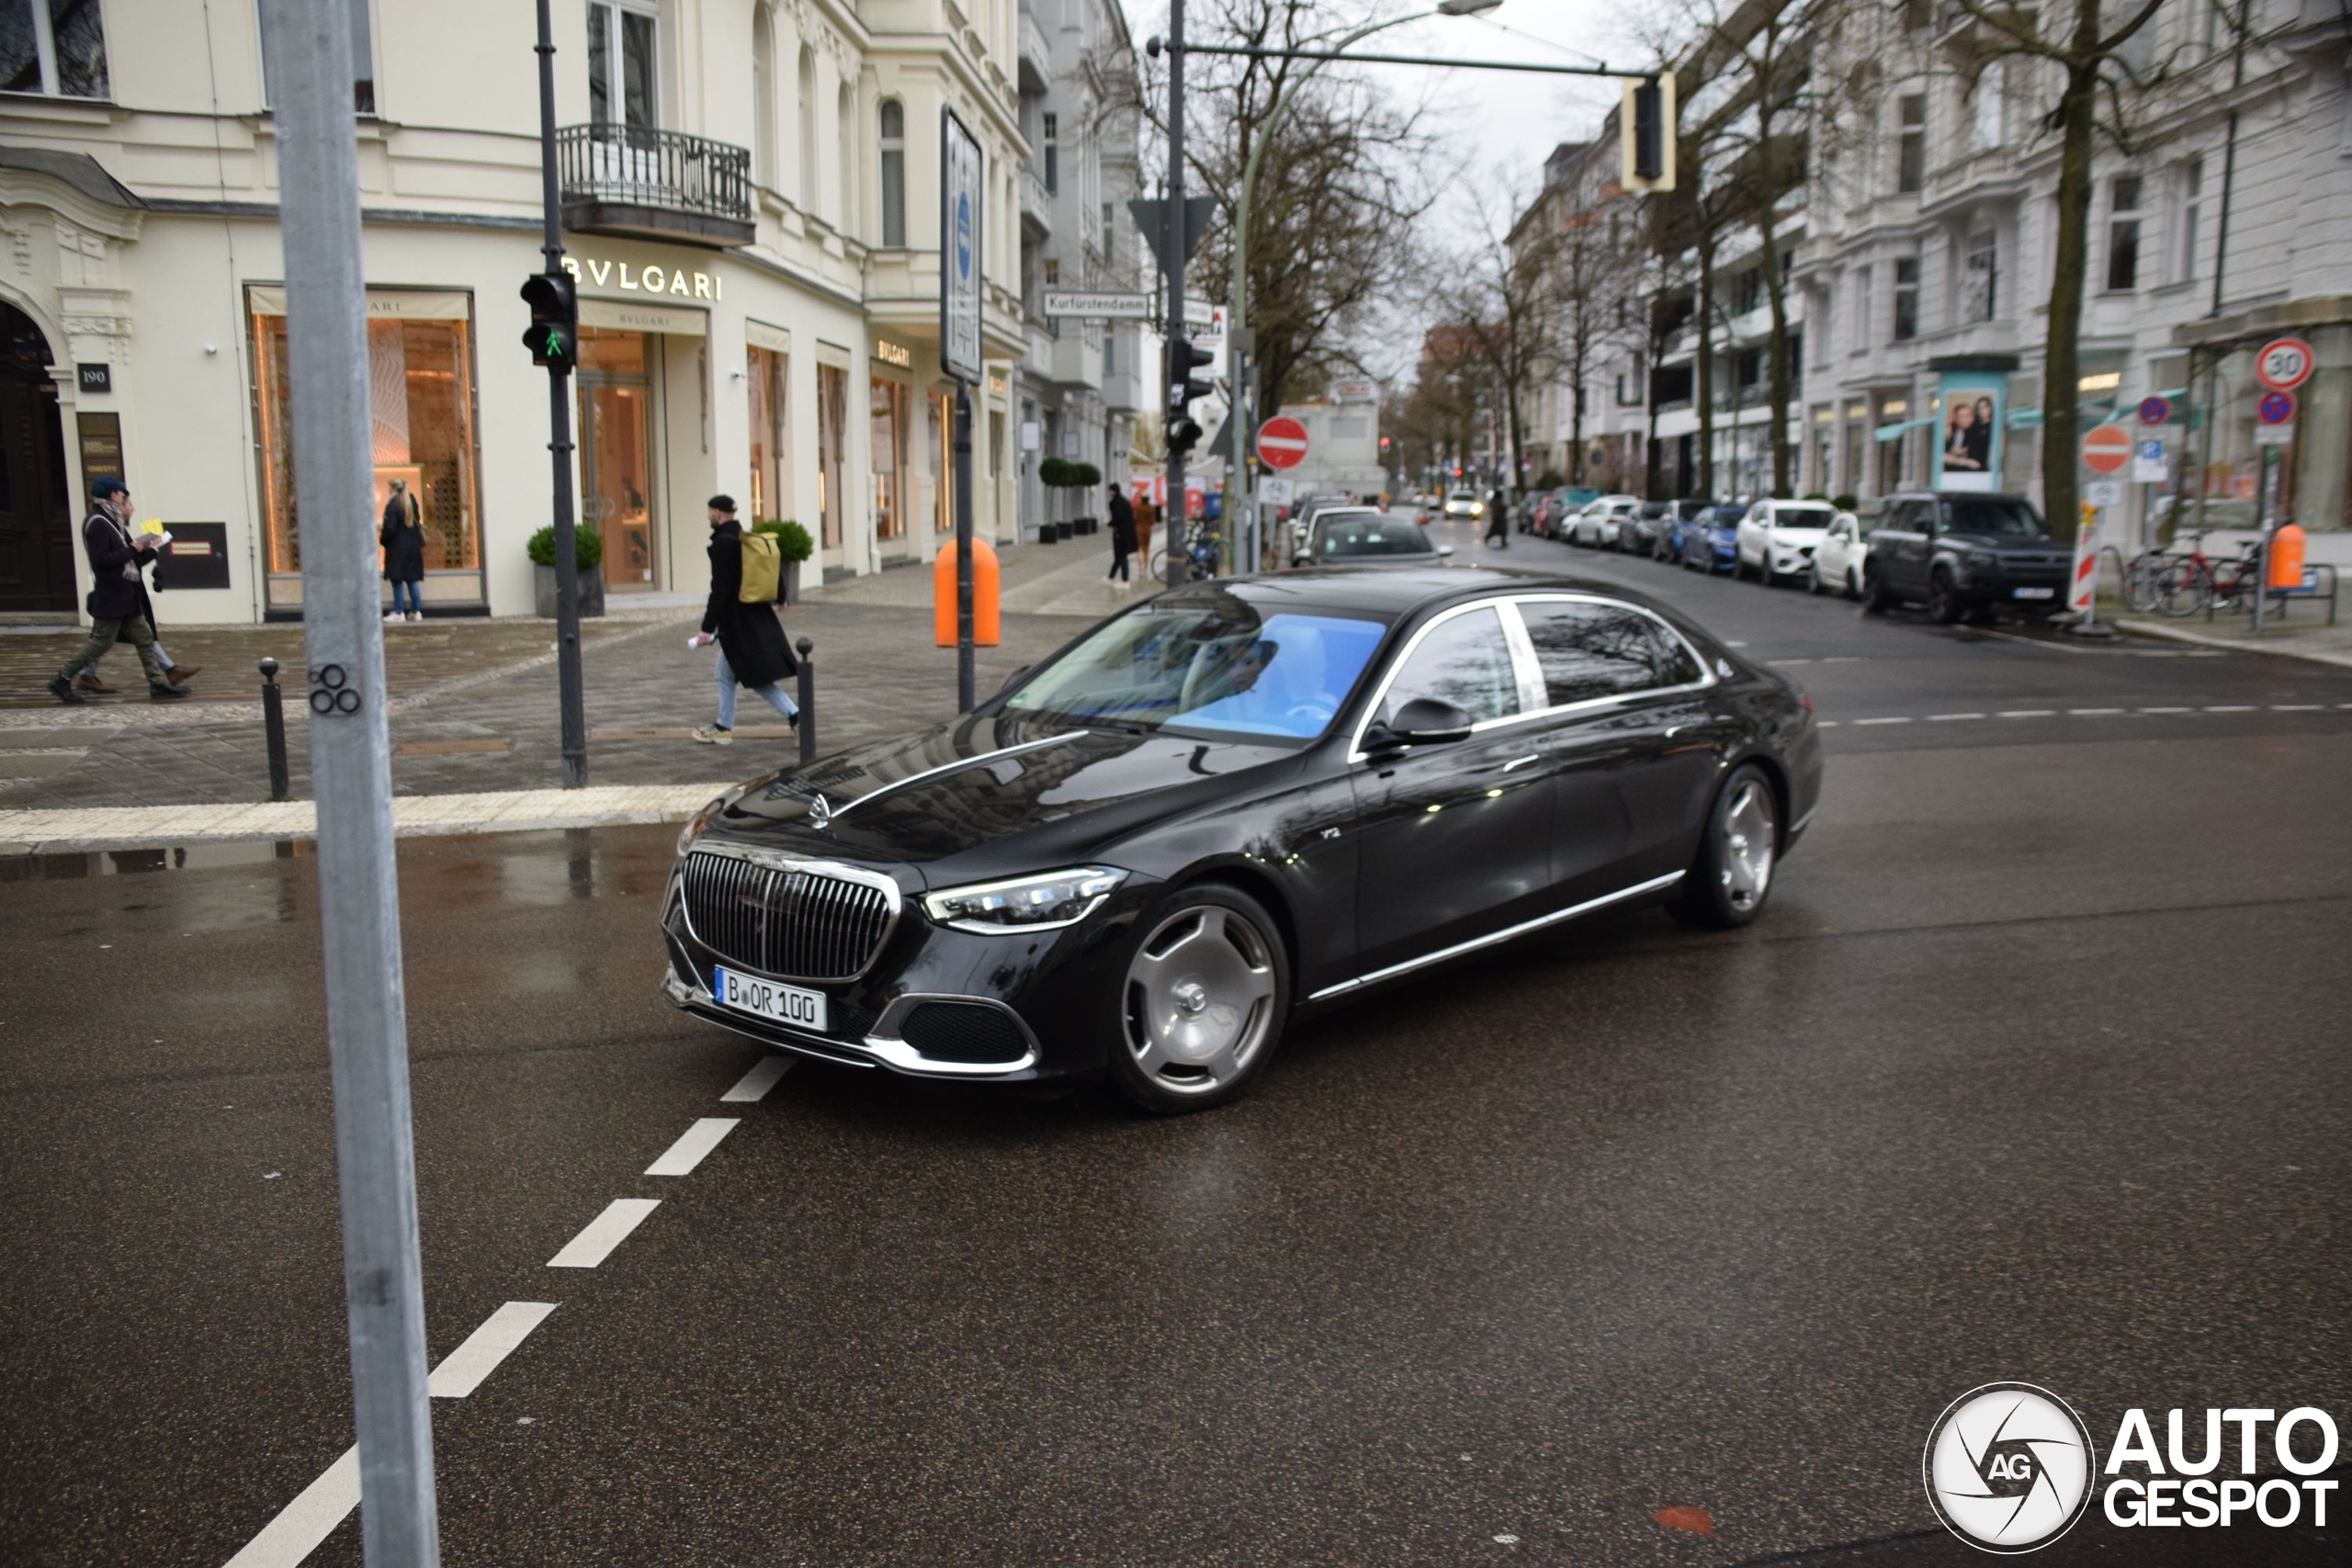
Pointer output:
x,y
2035,1071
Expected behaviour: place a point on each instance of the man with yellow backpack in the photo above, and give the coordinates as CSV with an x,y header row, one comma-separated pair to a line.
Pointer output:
x,y
746,583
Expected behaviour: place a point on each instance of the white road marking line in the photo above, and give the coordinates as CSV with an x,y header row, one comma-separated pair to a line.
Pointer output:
x,y
2297,707
2343,705
2229,707
302,1524
604,1233
1824,723
1863,721
2027,713
687,1153
2096,712
463,1370
1951,717
2168,710
1777,662
753,1086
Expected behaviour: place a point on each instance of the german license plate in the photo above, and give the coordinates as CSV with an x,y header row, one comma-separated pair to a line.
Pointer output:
x,y
788,1005
2032,593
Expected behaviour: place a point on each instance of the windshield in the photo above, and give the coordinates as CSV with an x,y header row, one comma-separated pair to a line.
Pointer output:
x,y
1211,663
1790,517
1371,536
1992,514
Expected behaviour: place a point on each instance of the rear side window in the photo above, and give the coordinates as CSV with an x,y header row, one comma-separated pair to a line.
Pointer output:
x,y
1464,662
1591,650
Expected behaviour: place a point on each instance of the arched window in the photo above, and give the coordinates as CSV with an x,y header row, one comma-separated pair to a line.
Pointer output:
x,y
764,94
807,192
893,128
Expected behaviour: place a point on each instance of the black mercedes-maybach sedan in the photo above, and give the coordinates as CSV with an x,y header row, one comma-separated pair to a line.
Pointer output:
x,y
1231,802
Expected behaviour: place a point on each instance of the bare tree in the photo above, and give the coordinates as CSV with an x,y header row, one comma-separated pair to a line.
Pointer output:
x,y
1502,299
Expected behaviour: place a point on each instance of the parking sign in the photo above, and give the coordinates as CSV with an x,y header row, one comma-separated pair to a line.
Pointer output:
x,y
959,260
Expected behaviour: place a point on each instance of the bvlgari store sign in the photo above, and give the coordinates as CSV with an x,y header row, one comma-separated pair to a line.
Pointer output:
x,y
620,296
674,282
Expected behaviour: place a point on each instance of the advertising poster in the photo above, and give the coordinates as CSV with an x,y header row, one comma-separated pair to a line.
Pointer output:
x,y
1968,430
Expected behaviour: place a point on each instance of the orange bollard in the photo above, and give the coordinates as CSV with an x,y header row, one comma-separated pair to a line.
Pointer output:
x,y
984,591
2286,557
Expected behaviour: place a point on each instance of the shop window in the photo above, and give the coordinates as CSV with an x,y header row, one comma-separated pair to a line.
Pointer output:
x,y
893,119
887,410
1907,299
765,371
421,420
833,451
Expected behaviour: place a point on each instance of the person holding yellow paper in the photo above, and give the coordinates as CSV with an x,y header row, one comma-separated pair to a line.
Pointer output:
x,y
117,599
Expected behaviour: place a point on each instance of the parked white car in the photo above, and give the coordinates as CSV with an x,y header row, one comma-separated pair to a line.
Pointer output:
x,y
1837,560
1595,526
1777,539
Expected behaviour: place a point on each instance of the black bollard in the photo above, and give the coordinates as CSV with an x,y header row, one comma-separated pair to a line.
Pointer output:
x,y
807,704
273,722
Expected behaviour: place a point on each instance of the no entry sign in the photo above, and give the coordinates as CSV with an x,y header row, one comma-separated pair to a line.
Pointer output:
x,y
2106,448
1282,442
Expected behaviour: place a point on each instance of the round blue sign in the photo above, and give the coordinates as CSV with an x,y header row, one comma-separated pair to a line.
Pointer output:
x,y
2154,411
2277,408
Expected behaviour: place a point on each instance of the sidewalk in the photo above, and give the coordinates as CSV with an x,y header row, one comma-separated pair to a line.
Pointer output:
x,y
473,711
2302,633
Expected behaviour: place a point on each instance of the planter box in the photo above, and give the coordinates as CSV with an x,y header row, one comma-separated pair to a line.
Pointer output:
x,y
592,591
791,581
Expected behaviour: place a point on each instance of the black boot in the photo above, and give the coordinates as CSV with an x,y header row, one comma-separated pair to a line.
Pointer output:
x,y
63,690
165,693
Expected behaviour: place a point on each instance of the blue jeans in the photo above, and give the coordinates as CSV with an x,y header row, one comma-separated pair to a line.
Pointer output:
x,y
770,693
415,606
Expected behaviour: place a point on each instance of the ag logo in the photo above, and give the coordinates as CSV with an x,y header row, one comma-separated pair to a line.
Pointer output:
x,y
2008,1467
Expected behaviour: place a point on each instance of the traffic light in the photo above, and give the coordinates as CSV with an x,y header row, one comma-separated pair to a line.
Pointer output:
x,y
1645,124
1183,430
554,334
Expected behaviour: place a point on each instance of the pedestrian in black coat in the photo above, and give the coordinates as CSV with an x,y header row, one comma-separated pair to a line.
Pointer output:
x,y
1122,536
1499,519
753,648
118,600
402,536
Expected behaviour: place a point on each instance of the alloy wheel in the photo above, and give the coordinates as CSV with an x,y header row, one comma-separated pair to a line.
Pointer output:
x,y
1749,835
1199,1001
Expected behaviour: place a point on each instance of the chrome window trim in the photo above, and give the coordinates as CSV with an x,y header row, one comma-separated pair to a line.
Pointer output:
x,y
1656,884
784,860
1509,608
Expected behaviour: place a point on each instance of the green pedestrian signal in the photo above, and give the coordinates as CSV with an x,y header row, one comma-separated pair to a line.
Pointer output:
x,y
553,336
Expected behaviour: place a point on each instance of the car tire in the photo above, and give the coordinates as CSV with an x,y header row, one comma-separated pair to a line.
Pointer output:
x,y
1853,589
1730,881
1877,599
1202,1002
1944,604
1813,583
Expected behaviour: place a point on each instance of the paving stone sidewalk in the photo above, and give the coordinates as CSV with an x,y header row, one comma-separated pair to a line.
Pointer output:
x,y
474,702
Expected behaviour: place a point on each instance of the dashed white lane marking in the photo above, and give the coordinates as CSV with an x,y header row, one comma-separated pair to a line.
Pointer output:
x,y
753,1086
461,1371
302,1524
2028,713
688,1151
1951,717
2168,710
2297,707
604,1233
2229,707
1862,721
2096,712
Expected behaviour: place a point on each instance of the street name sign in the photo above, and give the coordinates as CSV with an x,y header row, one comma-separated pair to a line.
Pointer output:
x,y
1098,305
1282,442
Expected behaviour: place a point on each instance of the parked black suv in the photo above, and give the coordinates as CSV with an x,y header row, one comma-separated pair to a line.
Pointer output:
x,y
1961,555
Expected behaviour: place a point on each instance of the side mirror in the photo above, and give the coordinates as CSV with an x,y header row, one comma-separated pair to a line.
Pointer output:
x,y
1445,549
1425,721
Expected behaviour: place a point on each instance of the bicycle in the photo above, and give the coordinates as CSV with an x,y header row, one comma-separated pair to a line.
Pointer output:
x,y
1204,556
2197,582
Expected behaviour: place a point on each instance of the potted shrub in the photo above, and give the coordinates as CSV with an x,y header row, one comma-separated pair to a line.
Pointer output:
x,y
794,543
1087,479
1053,474
587,551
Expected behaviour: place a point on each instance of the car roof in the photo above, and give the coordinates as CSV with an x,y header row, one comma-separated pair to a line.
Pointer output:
x,y
1409,590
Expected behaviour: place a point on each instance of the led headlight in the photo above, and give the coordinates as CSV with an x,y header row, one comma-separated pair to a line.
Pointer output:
x,y
697,822
1041,902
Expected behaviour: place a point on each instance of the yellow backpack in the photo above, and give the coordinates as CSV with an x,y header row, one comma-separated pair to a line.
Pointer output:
x,y
763,569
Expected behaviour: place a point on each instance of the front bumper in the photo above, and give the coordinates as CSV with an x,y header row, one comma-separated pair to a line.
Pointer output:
x,y
2044,588
1046,1000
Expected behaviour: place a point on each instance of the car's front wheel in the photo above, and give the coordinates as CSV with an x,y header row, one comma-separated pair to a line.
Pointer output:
x,y
1944,603
1731,877
1207,992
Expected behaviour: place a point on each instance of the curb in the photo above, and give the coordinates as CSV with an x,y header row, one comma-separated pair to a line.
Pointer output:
x,y
2174,634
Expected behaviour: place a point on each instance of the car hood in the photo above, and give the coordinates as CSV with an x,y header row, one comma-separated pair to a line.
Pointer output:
x,y
986,797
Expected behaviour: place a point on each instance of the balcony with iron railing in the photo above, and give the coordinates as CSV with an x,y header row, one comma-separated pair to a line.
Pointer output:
x,y
660,185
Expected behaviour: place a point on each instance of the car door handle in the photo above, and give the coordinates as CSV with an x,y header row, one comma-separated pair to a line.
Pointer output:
x,y
1517,763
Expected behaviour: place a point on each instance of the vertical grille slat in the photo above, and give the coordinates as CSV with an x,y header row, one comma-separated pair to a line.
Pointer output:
x,y
798,924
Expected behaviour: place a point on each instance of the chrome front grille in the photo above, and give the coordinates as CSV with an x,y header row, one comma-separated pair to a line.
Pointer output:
x,y
792,921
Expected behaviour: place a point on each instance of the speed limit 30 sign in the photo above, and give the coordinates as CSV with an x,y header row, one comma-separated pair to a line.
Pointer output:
x,y
2284,364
